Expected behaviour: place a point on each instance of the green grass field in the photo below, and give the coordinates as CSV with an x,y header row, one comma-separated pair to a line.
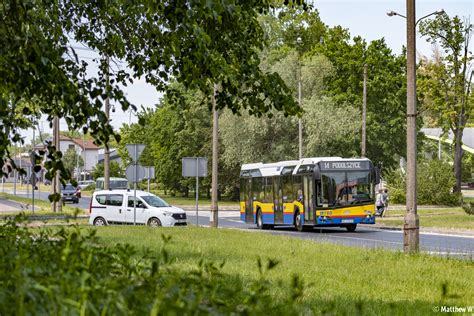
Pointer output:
x,y
451,218
338,280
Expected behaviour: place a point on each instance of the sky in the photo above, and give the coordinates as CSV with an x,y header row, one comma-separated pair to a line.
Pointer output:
x,y
366,18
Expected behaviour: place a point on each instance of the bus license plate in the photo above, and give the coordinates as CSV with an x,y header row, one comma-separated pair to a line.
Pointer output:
x,y
347,221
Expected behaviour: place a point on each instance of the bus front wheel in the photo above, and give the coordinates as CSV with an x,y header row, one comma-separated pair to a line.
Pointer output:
x,y
259,220
351,227
298,224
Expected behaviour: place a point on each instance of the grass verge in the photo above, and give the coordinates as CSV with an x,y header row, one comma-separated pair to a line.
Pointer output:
x,y
41,207
450,218
336,279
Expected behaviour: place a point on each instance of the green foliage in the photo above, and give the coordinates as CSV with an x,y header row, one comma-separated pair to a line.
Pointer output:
x,y
115,170
468,208
174,132
72,160
445,83
386,91
435,182
67,272
330,130
467,166
197,45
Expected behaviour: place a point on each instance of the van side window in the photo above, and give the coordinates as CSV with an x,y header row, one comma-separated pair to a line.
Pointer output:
x,y
115,199
100,199
140,203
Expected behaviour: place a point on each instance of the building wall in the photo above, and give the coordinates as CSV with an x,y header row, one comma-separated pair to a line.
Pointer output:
x,y
89,155
90,160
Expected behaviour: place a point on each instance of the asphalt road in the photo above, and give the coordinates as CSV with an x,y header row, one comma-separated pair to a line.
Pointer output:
x,y
366,236
43,195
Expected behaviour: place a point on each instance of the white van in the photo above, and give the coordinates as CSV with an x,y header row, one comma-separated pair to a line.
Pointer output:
x,y
117,206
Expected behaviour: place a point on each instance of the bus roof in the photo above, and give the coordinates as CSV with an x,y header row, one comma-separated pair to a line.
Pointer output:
x,y
271,169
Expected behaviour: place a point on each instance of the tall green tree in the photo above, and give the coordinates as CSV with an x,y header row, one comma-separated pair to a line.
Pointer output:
x,y
72,161
386,90
194,43
115,170
446,84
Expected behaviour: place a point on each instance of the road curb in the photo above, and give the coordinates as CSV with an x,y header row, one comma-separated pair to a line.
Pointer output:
x,y
427,231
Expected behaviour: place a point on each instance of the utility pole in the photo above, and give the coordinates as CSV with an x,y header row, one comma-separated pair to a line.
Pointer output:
x,y
300,123
84,156
107,114
364,115
215,122
411,227
56,183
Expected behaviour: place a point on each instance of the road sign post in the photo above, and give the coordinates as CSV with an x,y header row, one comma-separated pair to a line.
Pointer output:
x,y
135,172
195,167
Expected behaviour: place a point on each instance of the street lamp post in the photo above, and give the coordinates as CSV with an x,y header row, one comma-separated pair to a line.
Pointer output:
x,y
300,123
411,237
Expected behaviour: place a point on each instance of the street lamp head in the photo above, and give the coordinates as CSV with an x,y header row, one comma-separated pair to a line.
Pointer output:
x,y
440,11
391,13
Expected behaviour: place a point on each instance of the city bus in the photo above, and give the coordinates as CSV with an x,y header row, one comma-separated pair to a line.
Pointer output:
x,y
308,193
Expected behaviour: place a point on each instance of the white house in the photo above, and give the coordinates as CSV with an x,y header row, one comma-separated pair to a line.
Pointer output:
x,y
83,147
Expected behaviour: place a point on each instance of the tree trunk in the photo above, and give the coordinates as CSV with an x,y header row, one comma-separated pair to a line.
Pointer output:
x,y
458,153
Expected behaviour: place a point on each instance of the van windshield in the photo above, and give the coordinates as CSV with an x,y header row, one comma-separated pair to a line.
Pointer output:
x,y
154,201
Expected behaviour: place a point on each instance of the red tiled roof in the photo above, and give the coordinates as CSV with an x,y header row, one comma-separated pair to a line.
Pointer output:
x,y
83,143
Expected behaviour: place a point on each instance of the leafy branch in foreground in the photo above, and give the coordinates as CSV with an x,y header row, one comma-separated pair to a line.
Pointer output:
x,y
69,272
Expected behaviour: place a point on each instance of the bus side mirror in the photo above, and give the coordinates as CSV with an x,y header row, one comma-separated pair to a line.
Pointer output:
x,y
377,175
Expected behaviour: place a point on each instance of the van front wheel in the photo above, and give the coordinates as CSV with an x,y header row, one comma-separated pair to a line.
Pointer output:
x,y
154,222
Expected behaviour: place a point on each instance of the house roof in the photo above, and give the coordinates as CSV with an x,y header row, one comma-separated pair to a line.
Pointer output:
x,y
83,143
86,144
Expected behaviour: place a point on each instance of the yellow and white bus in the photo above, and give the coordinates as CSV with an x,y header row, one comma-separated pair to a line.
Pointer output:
x,y
323,192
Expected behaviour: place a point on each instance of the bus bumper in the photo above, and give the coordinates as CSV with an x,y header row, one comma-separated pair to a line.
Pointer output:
x,y
326,220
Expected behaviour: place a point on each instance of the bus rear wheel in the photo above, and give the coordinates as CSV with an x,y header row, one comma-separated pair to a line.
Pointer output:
x,y
351,227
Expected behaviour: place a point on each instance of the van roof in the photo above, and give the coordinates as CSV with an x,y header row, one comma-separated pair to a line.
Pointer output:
x,y
122,191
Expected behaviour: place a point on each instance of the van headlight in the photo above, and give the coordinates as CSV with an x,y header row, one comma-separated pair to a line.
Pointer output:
x,y
166,213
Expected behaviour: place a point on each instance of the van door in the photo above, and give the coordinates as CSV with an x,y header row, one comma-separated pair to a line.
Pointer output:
x,y
115,211
140,209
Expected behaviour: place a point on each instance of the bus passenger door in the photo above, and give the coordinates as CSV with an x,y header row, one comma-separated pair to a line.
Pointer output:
x,y
308,192
248,202
278,200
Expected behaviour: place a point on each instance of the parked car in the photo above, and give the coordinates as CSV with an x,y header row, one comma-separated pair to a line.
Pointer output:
x,y
117,206
84,184
69,193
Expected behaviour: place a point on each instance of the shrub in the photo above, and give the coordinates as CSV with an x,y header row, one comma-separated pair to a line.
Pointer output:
x,y
69,273
468,208
435,181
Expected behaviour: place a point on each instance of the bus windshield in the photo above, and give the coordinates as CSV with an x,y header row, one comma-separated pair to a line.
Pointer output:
x,y
343,188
